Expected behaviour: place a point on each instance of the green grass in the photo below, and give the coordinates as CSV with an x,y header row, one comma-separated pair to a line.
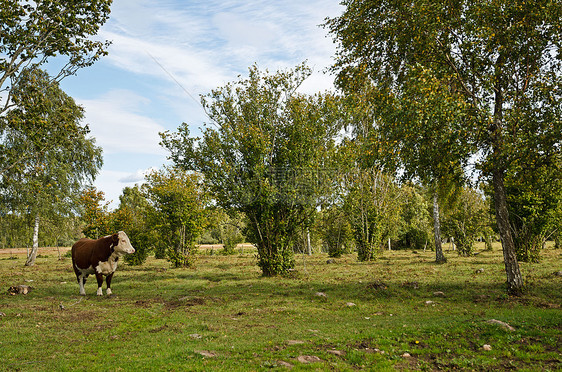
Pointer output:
x,y
222,315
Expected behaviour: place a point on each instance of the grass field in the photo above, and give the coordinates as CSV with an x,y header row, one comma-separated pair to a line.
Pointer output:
x,y
346,315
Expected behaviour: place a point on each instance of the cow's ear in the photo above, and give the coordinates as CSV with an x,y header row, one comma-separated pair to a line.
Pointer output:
x,y
115,238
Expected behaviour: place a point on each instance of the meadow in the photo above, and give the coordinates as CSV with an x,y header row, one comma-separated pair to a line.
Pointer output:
x,y
400,312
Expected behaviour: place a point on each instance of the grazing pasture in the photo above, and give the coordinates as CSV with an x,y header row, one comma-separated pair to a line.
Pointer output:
x,y
401,312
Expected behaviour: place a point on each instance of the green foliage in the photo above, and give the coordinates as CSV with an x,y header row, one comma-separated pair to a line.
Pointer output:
x,y
177,212
466,220
415,222
373,209
535,200
57,231
265,156
225,229
477,77
335,231
95,214
32,33
46,155
132,216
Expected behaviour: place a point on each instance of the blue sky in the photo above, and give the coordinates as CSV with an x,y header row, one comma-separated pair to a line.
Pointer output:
x,y
133,93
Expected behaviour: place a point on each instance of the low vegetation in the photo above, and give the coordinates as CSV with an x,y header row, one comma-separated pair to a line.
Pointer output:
x,y
399,312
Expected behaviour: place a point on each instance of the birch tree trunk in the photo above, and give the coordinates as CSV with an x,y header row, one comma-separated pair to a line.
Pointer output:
x,y
439,256
33,254
514,278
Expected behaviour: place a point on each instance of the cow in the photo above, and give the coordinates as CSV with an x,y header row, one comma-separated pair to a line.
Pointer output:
x,y
99,257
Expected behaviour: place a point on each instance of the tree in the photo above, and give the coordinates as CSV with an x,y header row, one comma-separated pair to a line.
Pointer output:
x,y
95,213
372,207
415,226
496,64
178,216
132,216
32,33
534,195
266,156
466,219
335,231
59,157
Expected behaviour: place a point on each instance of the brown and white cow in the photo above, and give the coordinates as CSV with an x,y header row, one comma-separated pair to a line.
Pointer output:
x,y
99,257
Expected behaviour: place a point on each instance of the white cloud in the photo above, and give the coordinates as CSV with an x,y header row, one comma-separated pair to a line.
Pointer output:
x,y
117,122
163,49
206,44
138,176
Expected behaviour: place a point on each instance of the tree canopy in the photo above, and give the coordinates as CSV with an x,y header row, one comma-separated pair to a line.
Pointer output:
x,y
32,33
264,156
46,154
491,71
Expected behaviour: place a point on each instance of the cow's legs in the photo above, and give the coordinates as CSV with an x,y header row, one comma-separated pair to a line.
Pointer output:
x,y
108,281
99,278
81,278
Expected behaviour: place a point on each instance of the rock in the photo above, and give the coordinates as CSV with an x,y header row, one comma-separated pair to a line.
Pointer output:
x,y
429,302
350,304
320,294
336,352
206,354
479,271
487,347
19,289
504,325
406,355
306,359
295,342
195,336
439,294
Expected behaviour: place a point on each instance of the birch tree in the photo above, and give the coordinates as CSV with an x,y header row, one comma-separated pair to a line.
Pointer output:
x,y
492,69
58,156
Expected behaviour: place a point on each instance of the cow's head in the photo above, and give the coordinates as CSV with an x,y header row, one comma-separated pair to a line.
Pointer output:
x,y
121,243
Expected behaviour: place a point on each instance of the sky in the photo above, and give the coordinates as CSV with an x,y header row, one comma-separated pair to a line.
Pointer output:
x,y
165,54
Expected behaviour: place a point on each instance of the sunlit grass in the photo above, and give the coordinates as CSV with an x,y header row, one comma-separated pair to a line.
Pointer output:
x,y
223,315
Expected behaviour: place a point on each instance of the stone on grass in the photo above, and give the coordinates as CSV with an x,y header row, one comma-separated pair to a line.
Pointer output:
x,y
406,355
350,304
320,294
336,352
487,347
306,359
295,342
439,294
504,325
19,289
206,354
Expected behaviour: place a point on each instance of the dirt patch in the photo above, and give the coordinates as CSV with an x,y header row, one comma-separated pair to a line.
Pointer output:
x,y
40,250
184,302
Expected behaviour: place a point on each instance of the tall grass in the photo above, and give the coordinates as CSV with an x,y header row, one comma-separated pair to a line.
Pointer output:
x,y
222,315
